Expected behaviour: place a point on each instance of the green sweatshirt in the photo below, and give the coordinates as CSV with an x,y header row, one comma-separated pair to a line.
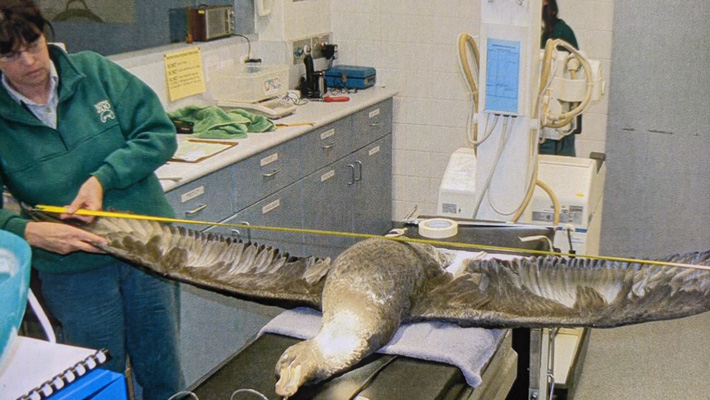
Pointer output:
x,y
110,125
560,31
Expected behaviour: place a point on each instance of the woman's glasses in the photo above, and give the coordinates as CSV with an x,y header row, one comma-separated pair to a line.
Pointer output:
x,y
32,48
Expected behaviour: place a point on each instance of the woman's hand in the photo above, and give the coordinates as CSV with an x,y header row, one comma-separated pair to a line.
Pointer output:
x,y
62,239
90,197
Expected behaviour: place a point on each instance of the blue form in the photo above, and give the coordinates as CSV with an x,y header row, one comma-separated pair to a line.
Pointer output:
x,y
502,76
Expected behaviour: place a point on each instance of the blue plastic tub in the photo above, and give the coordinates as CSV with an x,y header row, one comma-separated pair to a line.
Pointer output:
x,y
15,257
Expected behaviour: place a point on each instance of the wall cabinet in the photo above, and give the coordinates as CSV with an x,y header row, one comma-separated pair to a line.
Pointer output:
x,y
336,178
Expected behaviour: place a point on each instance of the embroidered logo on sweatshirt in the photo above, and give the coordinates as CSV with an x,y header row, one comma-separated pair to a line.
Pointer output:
x,y
103,108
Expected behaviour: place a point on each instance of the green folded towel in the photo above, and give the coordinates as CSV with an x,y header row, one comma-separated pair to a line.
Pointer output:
x,y
212,122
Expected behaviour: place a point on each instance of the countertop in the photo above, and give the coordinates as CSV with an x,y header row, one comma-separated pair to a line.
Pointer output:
x,y
174,174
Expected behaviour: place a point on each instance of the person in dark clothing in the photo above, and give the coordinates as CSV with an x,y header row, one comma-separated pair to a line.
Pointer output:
x,y
555,28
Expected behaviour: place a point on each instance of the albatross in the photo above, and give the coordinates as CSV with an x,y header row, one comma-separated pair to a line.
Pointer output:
x,y
378,284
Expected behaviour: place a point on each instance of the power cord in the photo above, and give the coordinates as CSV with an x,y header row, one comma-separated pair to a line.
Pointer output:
x,y
183,393
249,59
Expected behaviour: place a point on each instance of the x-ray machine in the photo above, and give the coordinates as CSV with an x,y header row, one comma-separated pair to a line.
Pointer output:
x,y
522,96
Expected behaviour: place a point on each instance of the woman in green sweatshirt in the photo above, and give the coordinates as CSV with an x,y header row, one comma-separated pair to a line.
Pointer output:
x,y
78,130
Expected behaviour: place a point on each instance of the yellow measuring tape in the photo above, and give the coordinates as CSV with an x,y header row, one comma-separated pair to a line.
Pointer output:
x,y
111,214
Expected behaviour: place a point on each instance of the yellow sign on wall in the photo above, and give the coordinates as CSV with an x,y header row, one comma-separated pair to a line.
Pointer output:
x,y
183,70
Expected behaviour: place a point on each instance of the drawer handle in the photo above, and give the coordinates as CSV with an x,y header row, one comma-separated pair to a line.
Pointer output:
x,y
196,210
376,124
238,233
352,174
328,146
359,170
271,174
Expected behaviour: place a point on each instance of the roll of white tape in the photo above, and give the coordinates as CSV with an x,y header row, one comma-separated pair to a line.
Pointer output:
x,y
438,228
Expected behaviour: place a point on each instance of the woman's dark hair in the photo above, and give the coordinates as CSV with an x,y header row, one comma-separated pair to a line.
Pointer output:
x,y
549,15
21,23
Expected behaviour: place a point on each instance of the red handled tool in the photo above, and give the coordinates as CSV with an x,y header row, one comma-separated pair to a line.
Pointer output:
x,y
332,99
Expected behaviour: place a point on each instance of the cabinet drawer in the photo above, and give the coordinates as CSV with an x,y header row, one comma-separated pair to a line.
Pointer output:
x,y
326,145
372,123
266,173
281,209
204,199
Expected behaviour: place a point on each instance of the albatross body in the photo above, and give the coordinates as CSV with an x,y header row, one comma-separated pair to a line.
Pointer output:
x,y
377,284
365,299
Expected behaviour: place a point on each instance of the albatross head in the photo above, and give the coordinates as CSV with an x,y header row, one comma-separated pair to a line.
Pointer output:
x,y
297,365
340,344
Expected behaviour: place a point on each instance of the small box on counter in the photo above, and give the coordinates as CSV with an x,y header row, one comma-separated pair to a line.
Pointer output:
x,y
249,83
350,77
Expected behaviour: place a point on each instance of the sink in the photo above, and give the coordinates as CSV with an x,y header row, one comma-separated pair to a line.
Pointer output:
x,y
15,256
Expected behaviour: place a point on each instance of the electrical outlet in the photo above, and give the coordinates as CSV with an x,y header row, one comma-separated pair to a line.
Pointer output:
x,y
317,43
299,48
313,44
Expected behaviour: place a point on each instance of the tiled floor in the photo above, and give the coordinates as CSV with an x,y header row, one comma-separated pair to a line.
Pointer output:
x,y
658,360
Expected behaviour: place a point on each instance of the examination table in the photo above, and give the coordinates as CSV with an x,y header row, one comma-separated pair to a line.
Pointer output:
x,y
385,376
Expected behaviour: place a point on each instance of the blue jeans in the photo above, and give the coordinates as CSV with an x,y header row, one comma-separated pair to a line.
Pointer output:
x,y
128,311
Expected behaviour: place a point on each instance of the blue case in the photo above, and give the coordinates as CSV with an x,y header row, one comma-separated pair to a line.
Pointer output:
x,y
99,384
350,77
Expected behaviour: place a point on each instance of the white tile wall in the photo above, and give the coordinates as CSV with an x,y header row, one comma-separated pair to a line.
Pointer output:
x,y
412,43
291,20
148,65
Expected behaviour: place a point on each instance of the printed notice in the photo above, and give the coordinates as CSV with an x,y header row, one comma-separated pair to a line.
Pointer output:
x,y
503,75
184,73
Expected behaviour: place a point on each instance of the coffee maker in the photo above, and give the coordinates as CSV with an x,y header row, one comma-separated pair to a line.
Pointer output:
x,y
312,86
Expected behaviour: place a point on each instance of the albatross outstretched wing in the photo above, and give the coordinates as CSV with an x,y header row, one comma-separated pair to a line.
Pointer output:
x,y
558,291
215,262
530,292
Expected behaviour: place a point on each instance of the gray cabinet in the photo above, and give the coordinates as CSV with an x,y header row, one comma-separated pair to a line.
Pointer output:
x,y
265,173
336,178
204,199
327,205
372,123
351,195
213,327
282,210
372,198
326,145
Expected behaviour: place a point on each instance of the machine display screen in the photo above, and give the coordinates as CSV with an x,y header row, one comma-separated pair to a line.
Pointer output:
x,y
502,76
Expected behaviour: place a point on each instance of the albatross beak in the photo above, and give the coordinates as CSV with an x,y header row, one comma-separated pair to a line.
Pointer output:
x,y
289,381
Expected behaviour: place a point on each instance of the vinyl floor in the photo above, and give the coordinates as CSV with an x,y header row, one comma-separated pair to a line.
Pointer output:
x,y
652,361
